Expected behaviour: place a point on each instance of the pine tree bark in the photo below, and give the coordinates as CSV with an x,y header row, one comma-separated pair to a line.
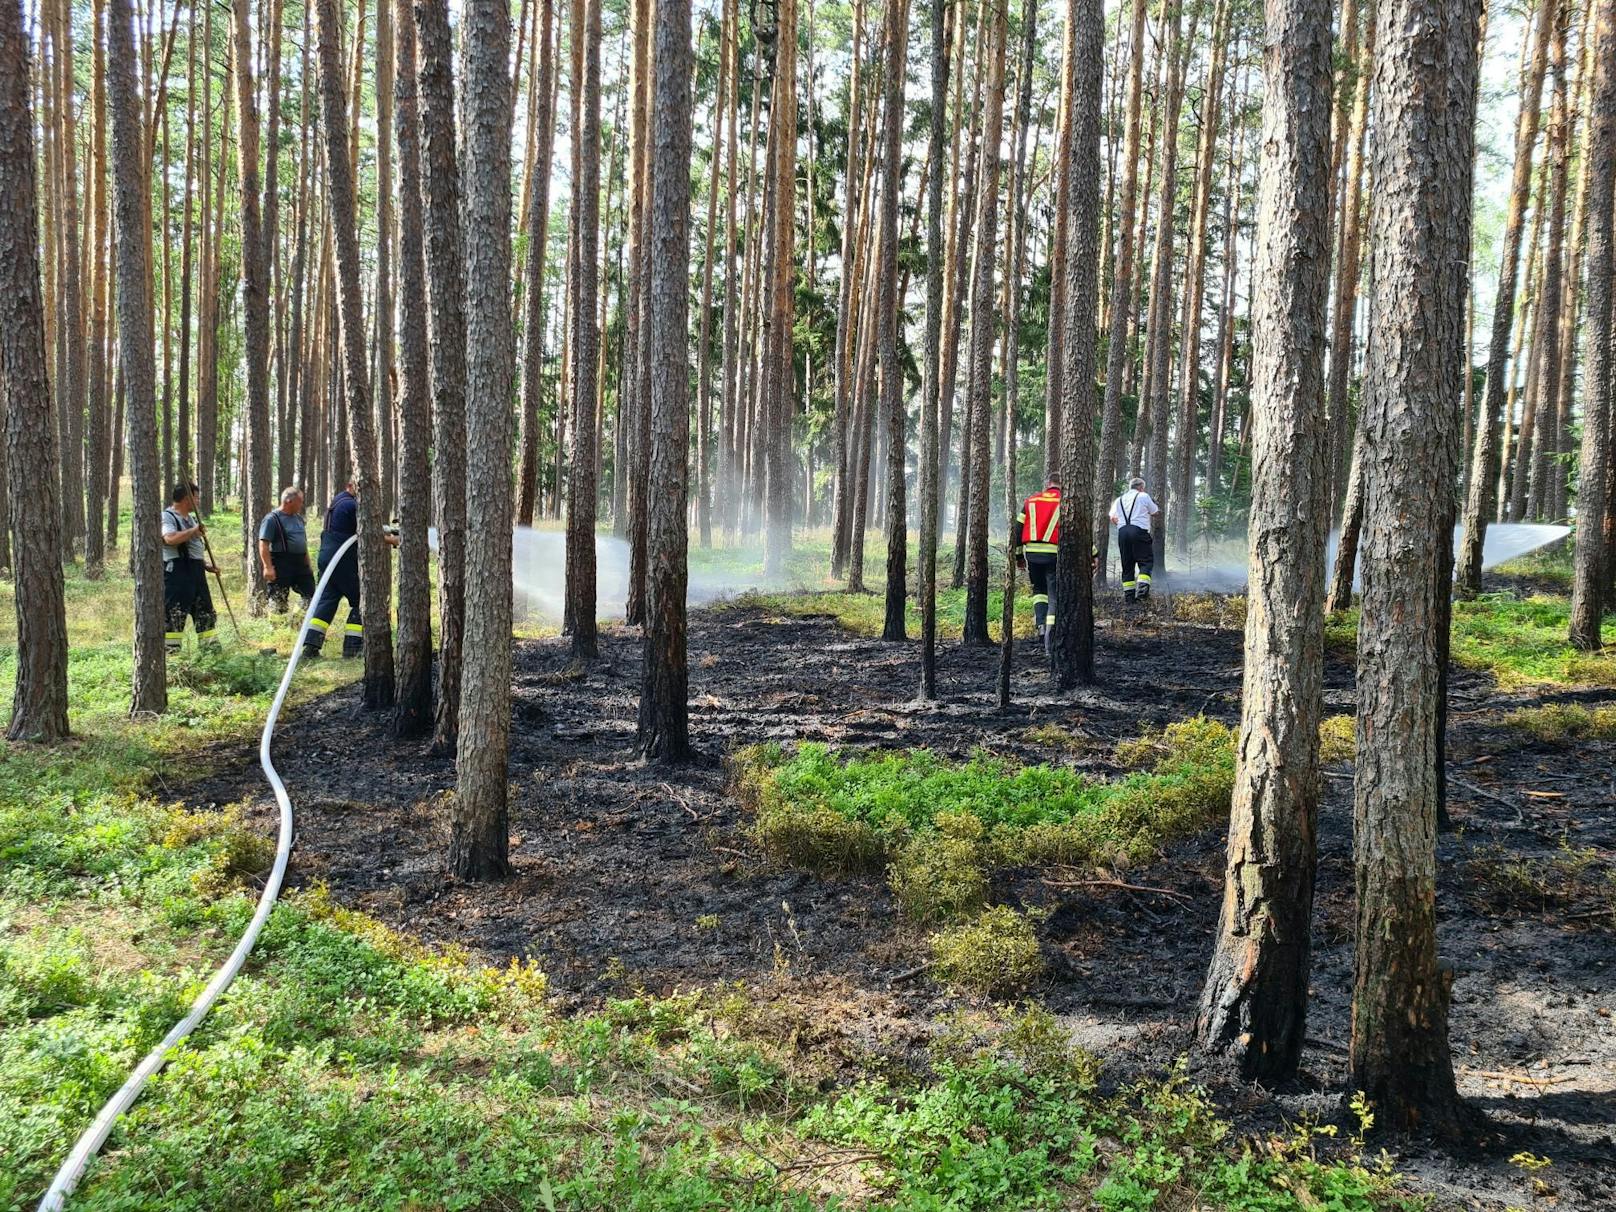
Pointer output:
x,y
664,726
412,707
581,583
39,695
255,262
634,386
71,389
1254,1002
1423,113
538,229
777,401
1121,304
1071,650
1532,478
1482,497
374,559
479,839
97,435
931,390
440,204
704,344
1590,573
975,471
846,303
888,316
150,686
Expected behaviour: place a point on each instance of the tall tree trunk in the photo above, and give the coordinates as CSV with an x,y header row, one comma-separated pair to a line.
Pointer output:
x,y
412,708
704,344
97,436
1482,497
1189,376
889,317
39,696
1122,296
778,398
1071,650
1348,250
982,318
1231,257
374,559
1423,116
71,390
1254,1003
727,468
1055,358
932,388
1532,476
479,837
846,303
440,202
184,458
150,685
581,593
664,724
1589,570
255,261
634,387
538,230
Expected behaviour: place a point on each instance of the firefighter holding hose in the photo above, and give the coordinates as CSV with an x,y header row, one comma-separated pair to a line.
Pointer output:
x,y
341,524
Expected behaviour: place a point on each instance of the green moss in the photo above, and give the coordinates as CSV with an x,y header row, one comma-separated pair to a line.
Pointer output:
x,y
993,955
1559,722
1338,740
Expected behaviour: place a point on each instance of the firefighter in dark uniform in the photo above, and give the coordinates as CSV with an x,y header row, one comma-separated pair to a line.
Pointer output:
x,y
185,573
341,524
1038,528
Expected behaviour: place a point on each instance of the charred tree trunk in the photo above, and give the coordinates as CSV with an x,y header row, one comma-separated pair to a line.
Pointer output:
x,y
374,558
479,838
1254,1003
664,724
412,708
1423,116
440,204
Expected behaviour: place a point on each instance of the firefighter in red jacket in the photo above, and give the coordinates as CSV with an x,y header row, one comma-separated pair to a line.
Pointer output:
x,y
1038,531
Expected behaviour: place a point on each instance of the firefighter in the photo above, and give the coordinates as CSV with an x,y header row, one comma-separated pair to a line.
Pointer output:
x,y
1130,514
283,550
185,573
1038,530
341,524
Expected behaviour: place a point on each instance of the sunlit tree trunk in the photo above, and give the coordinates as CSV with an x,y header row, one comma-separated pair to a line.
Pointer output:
x,y
893,413
150,685
39,696
71,388
1423,113
97,435
777,400
1589,569
1532,473
1254,1002
538,229
932,388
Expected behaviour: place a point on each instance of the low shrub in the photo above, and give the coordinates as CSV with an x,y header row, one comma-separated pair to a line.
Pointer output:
x,y
1558,722
1338,740
996,954
940,874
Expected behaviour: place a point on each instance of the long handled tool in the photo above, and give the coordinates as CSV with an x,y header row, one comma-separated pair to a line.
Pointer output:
x,y
219,576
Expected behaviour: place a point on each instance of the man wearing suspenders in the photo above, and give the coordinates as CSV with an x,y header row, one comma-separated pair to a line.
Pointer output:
x,y
185,573
1131,514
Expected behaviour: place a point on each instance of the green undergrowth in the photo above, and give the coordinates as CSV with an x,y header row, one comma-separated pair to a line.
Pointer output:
x,y
939,830
354,1067
1521,642
1557,723
864,614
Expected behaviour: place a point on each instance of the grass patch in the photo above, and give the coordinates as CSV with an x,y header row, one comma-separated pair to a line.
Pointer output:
x,y
1557,723
1576,877
994,954
1221,610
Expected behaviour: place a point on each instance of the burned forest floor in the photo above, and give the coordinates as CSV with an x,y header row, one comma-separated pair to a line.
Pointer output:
x,y
631,879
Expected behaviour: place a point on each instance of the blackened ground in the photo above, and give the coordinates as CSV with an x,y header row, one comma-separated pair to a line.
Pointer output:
x,y
629,876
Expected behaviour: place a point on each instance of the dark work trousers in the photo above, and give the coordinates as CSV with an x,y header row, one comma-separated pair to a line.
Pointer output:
x,y
1133,545
291,572
1041,572
344,583
185,595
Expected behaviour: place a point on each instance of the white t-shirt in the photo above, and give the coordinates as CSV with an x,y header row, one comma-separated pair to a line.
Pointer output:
x,y
1133,509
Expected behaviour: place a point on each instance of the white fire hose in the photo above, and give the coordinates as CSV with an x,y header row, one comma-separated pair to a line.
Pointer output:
x,y
96,1134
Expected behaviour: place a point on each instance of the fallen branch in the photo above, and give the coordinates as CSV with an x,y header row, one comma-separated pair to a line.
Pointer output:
x,y
1523,1079
1467,785
1168,892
